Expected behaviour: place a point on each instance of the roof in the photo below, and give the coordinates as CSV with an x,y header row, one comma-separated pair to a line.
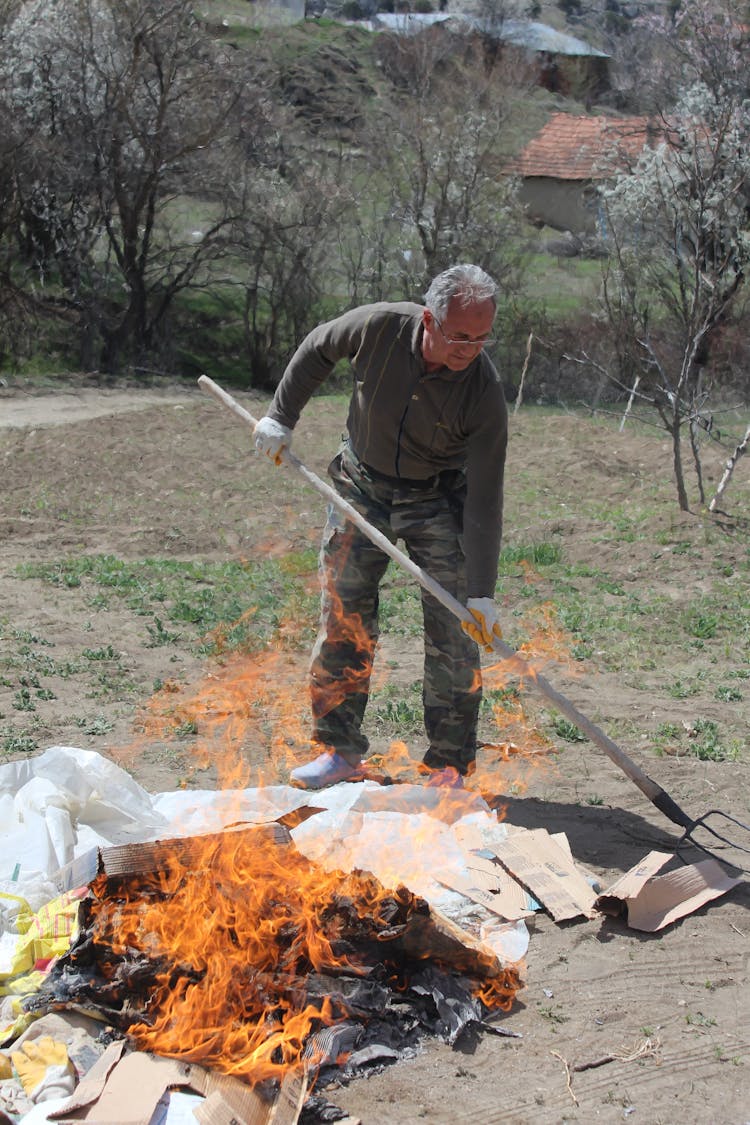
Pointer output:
x,y
532,36
543,38
408,23
583,148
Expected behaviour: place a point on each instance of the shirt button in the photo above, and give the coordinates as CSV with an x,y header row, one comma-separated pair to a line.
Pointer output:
x,y
415,398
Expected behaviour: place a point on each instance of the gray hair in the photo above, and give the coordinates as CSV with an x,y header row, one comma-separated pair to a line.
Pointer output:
x,y
466,283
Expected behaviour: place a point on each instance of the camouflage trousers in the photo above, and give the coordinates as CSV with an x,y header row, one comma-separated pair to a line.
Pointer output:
x,y
427,520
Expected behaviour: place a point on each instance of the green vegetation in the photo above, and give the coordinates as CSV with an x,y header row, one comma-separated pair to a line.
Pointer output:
x,y
219,605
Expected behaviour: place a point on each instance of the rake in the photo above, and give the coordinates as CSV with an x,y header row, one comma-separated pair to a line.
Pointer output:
x,y
709,832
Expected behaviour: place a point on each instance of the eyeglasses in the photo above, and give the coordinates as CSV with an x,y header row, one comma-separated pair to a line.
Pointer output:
x,y
464,341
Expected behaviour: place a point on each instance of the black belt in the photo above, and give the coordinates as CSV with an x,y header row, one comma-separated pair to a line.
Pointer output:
x,y
398,482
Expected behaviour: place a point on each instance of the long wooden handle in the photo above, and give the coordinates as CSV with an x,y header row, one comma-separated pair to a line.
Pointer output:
x,y
516,664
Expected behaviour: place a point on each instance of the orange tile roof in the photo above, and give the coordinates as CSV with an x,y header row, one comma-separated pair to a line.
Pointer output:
x,y
582,148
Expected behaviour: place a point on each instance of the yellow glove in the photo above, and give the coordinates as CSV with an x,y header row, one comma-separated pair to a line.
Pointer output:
x,y
487,627
44,1069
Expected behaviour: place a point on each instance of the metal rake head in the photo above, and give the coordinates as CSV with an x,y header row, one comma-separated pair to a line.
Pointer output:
x,y
716,834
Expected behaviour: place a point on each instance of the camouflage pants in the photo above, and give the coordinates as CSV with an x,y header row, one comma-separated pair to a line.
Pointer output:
x,y
351,569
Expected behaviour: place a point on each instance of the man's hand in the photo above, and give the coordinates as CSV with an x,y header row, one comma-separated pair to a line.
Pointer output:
x,y
272,438
487,627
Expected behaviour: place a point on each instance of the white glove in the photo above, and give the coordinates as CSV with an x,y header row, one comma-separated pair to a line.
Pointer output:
x,y
487,627
272,438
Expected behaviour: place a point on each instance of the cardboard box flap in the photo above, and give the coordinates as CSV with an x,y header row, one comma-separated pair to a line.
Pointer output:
x,y
488,883
548,873
93,1082
509,904
666,898
151,855
142,859
134,1086
613,901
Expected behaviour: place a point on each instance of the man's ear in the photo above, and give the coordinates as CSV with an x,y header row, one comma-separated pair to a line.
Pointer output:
x,y
427,318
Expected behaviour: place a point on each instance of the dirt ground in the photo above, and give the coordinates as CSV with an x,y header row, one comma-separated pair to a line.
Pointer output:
x,y
613,1024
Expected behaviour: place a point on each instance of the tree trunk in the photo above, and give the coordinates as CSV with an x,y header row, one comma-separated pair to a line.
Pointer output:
x,y
729,469
697,462
679,474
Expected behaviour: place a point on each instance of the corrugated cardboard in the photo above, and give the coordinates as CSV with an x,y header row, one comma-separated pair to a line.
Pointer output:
x,y
144,858
613,901
651,903
92,1084
490,885
134,1085
548,872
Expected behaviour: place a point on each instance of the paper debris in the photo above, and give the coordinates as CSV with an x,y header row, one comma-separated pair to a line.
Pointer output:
x,y
547,871
652,902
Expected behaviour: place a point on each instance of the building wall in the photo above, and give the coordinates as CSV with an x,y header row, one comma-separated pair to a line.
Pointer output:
x,y
561,204
271,13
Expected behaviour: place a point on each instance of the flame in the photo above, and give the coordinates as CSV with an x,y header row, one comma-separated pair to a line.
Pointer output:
x,y
547,640
349,636
234,936
231,934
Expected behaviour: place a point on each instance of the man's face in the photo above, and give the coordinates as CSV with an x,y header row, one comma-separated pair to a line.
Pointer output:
x,y
457,339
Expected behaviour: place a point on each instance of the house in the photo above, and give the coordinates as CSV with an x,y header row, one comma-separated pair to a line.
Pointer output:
x,y
562,63
561,167
565,64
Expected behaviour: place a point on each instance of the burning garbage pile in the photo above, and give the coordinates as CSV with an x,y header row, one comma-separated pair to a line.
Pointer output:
x,y
239,953
242,947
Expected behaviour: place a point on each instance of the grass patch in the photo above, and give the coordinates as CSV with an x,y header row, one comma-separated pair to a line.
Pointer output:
x,y
566,730
217,605
13,743
700,739
535,554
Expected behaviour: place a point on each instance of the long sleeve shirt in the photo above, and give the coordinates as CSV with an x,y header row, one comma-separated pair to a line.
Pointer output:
x,y
406,422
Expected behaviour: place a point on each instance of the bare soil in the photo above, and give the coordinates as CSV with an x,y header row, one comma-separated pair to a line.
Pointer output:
x,y
614,1024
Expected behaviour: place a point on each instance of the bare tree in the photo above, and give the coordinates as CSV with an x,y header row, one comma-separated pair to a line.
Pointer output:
x,y
289,220
122,104
680,248
436,155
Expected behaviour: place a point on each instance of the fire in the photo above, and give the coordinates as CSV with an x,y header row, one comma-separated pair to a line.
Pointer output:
x,y
547,640
221,946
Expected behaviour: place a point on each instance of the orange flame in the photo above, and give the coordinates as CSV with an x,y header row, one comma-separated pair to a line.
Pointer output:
x,y
233,934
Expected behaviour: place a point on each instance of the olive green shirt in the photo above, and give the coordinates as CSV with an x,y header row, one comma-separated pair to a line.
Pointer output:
x,y
406,422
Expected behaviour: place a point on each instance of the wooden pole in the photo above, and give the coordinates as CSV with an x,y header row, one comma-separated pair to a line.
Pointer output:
x,y
524,369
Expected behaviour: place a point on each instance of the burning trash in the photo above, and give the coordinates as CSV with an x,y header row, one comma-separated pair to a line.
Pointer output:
x,y
247,946
236,952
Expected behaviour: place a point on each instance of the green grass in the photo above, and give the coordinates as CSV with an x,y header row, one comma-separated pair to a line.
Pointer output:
x,y
212,606
701,739
564,286
208,608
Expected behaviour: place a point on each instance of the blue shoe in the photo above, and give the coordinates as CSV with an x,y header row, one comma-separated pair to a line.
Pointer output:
x,y
328,769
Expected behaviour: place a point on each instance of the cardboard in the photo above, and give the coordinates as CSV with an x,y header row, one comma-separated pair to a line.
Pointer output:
x,y
135,1084
489,884
652,902
144,858
613,901
93,1082
548,873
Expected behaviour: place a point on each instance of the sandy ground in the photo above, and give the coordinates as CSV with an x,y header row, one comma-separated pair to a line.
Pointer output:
x,y
613,1024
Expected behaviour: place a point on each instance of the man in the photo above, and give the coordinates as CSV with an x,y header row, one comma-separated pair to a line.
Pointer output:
x,y
423,461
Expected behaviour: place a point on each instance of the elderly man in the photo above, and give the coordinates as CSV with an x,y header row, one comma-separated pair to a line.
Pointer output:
x,y
423,461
